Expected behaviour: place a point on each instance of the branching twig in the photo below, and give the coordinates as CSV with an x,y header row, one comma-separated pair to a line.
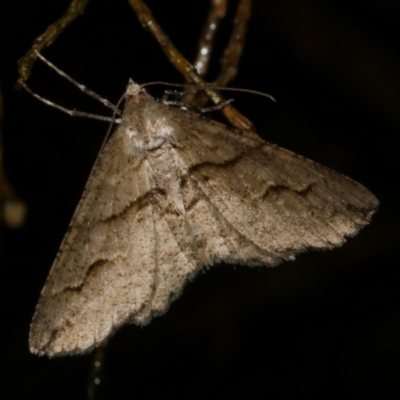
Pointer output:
x,y
233,52
184,66
25,64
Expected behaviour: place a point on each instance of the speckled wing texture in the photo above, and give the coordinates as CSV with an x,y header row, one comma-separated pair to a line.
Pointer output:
x,y
170,194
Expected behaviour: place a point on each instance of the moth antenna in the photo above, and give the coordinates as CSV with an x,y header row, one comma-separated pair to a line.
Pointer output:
x,y
209,85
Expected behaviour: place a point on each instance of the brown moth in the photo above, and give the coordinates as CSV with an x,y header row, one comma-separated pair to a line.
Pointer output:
x,y
172,193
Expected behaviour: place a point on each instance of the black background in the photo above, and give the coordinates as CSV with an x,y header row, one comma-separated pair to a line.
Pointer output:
x,y
324,326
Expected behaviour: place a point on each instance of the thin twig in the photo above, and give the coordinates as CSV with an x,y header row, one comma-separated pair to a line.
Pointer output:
x,y
12,209
25,64
205,47
96,377
234,50
182,64
207,37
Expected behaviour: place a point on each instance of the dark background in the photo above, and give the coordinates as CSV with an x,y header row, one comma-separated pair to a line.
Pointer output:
x,y
324,326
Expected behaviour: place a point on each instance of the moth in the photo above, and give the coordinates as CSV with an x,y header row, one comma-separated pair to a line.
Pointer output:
x,y
170,194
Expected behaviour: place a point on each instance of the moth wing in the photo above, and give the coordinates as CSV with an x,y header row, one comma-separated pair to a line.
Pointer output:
x,y
281,202
248,202
90,290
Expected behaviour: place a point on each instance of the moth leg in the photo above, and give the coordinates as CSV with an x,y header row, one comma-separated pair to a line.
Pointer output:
x,y
72,113
176,94
184,104
83,88
215,107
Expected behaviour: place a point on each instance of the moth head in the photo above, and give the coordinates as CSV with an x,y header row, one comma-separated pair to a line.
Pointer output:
x,y
133,88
